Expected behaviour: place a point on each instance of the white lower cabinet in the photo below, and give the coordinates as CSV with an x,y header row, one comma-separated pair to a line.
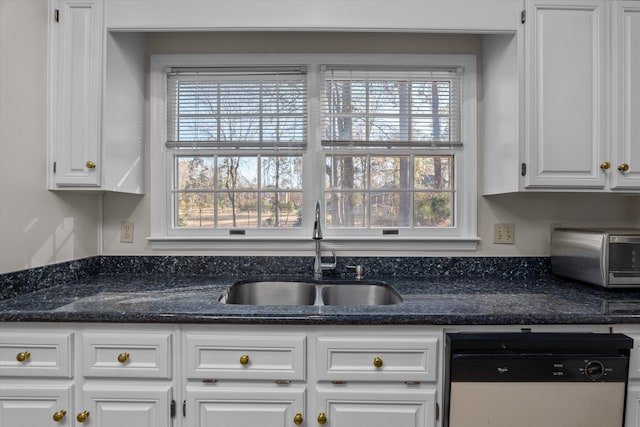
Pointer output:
x,y
26,404
77,375
124,405
310,376
214,405
381,407
632,413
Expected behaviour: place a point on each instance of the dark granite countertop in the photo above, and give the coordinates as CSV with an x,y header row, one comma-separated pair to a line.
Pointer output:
x,y
546,299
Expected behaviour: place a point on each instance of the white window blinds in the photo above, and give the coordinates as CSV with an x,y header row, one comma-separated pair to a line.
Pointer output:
x,y
391,106
253,108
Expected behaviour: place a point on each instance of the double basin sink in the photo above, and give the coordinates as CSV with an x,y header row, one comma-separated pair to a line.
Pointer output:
x,y
301,293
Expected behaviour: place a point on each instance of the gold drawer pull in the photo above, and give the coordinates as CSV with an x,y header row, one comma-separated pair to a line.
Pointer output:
x,y
58,416
244,359
82,416
322,418
123,357
623,167
297,420
90,164
605,165
377,362
23,357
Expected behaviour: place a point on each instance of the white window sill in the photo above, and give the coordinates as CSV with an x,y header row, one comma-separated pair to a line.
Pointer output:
x,y
391,243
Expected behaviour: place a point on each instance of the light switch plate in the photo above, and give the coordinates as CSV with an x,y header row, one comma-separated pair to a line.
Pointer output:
x,y
504,233
126,232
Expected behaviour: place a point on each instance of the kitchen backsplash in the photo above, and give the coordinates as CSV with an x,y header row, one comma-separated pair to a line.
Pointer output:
x,y
26,281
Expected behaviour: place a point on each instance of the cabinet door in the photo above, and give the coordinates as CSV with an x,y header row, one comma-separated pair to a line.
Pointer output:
x,y
126,406
35,405
566,78
632,418
75,88
263,405
626,95
377,408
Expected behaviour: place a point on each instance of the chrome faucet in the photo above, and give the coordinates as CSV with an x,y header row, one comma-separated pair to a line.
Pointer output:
x,y
318,265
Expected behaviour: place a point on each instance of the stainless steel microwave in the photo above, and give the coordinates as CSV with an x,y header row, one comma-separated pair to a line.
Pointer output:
x,y
608,257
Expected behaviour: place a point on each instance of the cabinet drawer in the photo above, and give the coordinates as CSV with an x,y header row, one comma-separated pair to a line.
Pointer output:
x,y
36,354
245,357
138,355
377,359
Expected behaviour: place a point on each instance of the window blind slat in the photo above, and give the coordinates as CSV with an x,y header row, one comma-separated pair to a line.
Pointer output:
x,y
247,107
391,106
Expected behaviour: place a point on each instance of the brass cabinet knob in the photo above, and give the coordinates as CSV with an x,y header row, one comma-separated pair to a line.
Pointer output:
x,y
377,362
58,416
90,164
123,357
297,419
82,416
623,167
322,418
244,359
605,165
23,357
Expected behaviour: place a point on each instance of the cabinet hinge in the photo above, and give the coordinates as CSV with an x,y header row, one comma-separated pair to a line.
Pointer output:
x,y
55,167
173,408
184,408
523,169
523,16
437,411
56,15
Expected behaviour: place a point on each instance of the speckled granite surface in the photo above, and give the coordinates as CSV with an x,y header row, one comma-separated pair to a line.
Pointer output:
x,y
434,290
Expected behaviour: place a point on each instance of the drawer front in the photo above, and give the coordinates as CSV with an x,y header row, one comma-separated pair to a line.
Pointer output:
x,y
126,355
377,359
36,354
245,357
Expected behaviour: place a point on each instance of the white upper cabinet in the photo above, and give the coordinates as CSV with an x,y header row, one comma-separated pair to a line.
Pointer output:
x,y
75,93
565,97
625,163
560,97
96,101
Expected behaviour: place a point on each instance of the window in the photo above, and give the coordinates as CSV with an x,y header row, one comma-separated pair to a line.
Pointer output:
x,y
242,146
232,134
385,129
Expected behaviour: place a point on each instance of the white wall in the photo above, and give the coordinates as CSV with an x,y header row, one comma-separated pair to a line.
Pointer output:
x,y
37,227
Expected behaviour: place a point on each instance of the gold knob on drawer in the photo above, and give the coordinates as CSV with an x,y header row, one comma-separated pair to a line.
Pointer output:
x,y
123,357
58,416
23,357
377,362
322,418
82,416
297,419
605,165
623,167
244,359
90,164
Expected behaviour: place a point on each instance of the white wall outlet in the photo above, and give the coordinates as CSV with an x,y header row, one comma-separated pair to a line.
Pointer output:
x,y
126,232
503,233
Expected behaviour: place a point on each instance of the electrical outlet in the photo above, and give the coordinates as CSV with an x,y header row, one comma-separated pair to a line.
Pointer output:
x,y
503,233
126,232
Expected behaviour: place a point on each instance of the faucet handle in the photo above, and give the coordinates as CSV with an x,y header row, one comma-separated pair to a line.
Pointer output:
x,y
359,270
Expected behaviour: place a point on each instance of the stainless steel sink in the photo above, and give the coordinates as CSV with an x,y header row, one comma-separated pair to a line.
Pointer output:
x,y
360,294
270,293
310,293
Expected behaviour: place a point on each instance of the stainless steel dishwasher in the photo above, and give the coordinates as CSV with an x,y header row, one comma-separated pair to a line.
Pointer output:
x,y
536,379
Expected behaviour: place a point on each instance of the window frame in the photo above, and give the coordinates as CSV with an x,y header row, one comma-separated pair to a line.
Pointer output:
x,y
462,236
